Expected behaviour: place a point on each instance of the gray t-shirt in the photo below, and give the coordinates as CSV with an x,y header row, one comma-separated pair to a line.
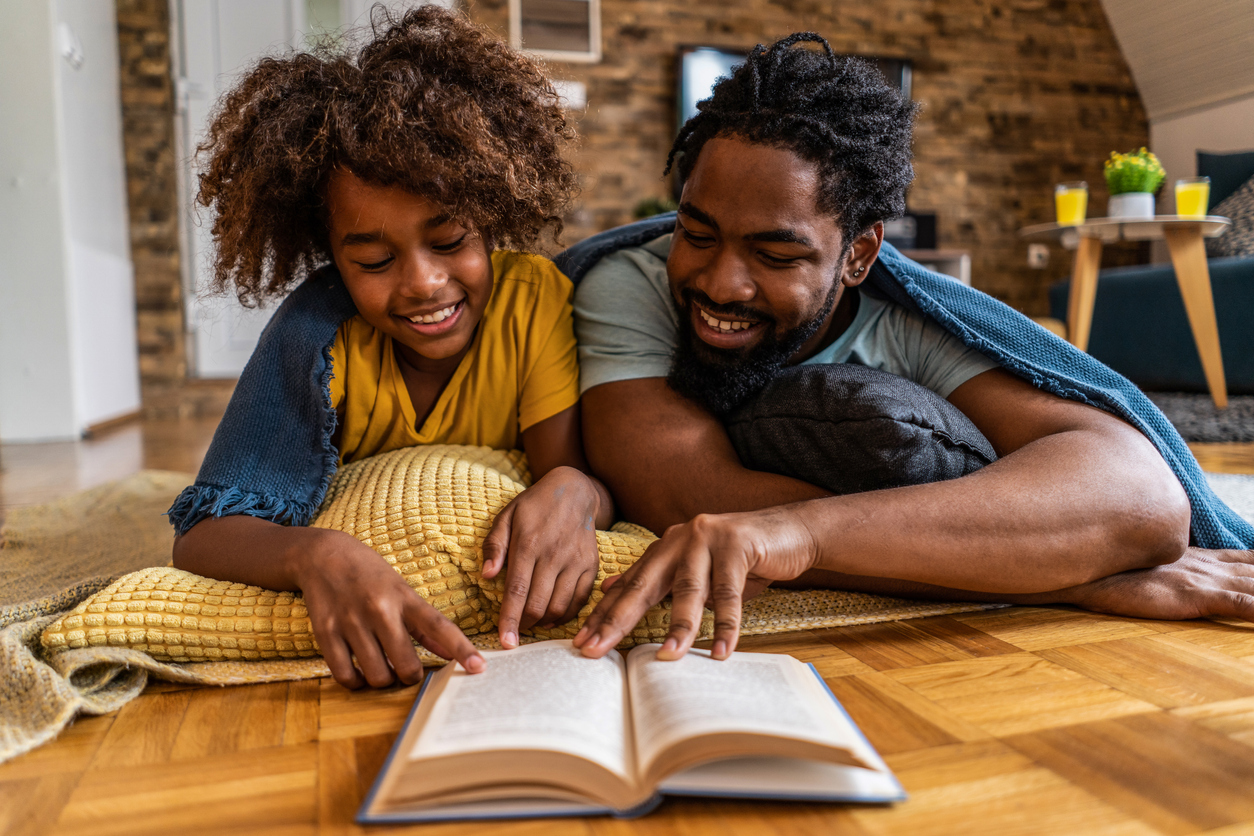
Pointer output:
x,y
626,323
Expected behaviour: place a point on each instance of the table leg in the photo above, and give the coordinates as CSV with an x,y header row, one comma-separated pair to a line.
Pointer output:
x,y
1088,257
1188,256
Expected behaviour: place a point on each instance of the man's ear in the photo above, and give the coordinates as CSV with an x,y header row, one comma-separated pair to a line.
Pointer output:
x,y
866,248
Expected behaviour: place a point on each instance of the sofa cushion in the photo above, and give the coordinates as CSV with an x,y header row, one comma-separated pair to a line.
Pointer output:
x,y
1238,240
1226,172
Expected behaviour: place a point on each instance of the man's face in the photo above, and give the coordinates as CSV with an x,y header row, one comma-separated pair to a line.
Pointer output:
x,y
755,269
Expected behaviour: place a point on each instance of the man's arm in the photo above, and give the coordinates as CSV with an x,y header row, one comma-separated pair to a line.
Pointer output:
x,y
665,459
1077,495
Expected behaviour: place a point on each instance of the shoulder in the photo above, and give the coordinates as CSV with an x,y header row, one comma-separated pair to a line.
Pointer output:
x,y
625,274
530,292
528,274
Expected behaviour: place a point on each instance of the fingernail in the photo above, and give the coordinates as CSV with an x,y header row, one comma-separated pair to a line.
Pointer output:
x,y
590,645
510,640
720,649
669,648
475,664
578,639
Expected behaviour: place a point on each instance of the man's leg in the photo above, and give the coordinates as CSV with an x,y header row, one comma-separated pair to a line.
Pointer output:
x,y
849,428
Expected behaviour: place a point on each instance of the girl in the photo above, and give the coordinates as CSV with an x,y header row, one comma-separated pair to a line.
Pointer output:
x,y
405,169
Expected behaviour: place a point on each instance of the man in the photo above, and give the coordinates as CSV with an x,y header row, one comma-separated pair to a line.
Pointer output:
x,y
790,170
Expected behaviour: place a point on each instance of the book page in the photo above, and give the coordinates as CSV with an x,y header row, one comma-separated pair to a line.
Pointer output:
x,y
538,696
748,692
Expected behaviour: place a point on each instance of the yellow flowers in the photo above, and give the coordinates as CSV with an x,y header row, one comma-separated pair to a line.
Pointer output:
x,y
1136,171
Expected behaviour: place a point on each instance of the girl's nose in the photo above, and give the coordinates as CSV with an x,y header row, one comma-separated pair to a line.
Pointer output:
x,y
423,278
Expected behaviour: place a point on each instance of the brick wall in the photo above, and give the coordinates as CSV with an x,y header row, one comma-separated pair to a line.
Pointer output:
x,y
147,92
1017,95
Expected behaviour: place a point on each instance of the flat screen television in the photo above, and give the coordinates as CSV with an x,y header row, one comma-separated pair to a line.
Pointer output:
x,y
701,66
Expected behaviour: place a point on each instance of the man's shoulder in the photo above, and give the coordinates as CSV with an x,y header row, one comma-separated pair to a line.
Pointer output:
x,y
626,274
647,261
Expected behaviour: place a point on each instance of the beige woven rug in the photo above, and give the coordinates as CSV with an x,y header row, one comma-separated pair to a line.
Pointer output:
x,y
54,556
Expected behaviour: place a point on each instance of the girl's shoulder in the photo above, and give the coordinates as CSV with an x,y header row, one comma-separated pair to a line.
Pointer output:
x,y
528,273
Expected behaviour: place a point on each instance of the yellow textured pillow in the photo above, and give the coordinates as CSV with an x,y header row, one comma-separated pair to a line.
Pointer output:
x,y
426,510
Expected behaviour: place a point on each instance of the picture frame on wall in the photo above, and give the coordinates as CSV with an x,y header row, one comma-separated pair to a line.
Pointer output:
x,y
559,30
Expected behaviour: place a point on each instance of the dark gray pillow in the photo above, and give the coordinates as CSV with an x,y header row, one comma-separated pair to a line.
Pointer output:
x,y
1238,239
849,428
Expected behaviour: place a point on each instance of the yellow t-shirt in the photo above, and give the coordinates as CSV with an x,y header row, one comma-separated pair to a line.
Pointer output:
x,y
521,369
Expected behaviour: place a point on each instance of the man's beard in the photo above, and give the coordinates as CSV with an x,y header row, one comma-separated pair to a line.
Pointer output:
x,y
721,379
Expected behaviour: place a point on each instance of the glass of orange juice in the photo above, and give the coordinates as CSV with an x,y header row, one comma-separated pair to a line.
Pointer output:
x,y
1071,201
1192,196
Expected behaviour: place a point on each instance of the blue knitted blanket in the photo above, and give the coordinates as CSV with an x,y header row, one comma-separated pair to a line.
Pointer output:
x,y
272,456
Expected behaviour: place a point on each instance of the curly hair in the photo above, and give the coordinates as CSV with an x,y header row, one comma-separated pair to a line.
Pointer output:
x,y
835,112
432,104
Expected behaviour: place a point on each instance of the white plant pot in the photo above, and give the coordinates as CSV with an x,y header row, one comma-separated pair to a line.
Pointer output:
x,y
1131,205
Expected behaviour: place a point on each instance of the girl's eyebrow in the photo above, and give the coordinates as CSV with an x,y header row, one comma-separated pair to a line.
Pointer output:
x,y
352,238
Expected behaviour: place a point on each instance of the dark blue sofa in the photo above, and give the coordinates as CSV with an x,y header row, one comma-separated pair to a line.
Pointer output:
x,y
1140,328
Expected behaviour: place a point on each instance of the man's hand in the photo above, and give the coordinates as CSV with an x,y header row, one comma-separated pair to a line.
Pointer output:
x,y
548,533
722,559
360,607
1203,583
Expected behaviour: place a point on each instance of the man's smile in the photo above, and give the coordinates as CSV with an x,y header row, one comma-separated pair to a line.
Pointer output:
x,y
723,331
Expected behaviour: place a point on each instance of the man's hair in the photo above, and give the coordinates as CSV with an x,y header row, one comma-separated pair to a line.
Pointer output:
x,y
835,112
432,104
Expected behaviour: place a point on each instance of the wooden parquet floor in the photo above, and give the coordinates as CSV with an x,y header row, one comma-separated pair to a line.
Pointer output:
x,y
1023,720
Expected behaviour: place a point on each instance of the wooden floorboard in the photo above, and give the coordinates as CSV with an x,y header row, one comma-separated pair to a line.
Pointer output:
x,y
1016,721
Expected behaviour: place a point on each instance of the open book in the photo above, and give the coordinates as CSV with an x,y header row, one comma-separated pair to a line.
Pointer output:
x,y
547,732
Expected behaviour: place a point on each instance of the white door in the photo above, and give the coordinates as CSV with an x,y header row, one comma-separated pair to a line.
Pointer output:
x,y
218,40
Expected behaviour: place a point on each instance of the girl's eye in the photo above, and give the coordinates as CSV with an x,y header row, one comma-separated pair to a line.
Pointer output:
x,y
450,246
377,265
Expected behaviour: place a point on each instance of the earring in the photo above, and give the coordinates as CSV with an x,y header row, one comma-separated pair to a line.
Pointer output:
x,y
858,272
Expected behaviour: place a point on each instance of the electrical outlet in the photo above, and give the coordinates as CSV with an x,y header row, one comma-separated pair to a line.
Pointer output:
x,y
1038,256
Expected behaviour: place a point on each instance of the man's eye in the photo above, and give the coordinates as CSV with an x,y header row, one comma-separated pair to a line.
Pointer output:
x,y
450,246
695,239
780,260
377,265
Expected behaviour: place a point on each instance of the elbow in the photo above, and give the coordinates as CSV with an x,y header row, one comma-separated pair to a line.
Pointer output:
x,y
1154,528
1163,535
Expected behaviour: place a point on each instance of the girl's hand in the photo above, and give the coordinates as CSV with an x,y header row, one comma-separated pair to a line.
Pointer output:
x,y
548,533
360,607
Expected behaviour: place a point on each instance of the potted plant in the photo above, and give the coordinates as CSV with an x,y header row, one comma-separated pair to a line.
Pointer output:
x,y
1132,179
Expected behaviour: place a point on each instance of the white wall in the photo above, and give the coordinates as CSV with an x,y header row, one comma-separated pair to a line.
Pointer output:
x,y
1176,140
67,316
102,282
36,382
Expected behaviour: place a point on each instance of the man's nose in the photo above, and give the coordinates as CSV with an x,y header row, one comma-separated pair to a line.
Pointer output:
x,y
725,278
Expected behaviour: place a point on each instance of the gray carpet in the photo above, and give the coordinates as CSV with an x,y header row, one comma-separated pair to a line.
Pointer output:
x,y
1196,418
1236,491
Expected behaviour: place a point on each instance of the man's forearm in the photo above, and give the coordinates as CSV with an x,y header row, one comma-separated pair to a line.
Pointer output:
x,y
666,460
1083,514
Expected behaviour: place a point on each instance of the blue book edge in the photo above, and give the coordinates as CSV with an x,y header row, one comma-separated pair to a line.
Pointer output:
x,y
364,817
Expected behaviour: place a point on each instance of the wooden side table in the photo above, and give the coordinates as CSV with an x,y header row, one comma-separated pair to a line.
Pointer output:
x,y
1188,257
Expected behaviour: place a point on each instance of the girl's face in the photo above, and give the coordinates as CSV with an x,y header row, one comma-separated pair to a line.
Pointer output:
x,y
415,273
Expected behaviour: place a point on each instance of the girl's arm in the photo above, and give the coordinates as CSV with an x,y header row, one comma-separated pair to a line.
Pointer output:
x,y
548,531
358,605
